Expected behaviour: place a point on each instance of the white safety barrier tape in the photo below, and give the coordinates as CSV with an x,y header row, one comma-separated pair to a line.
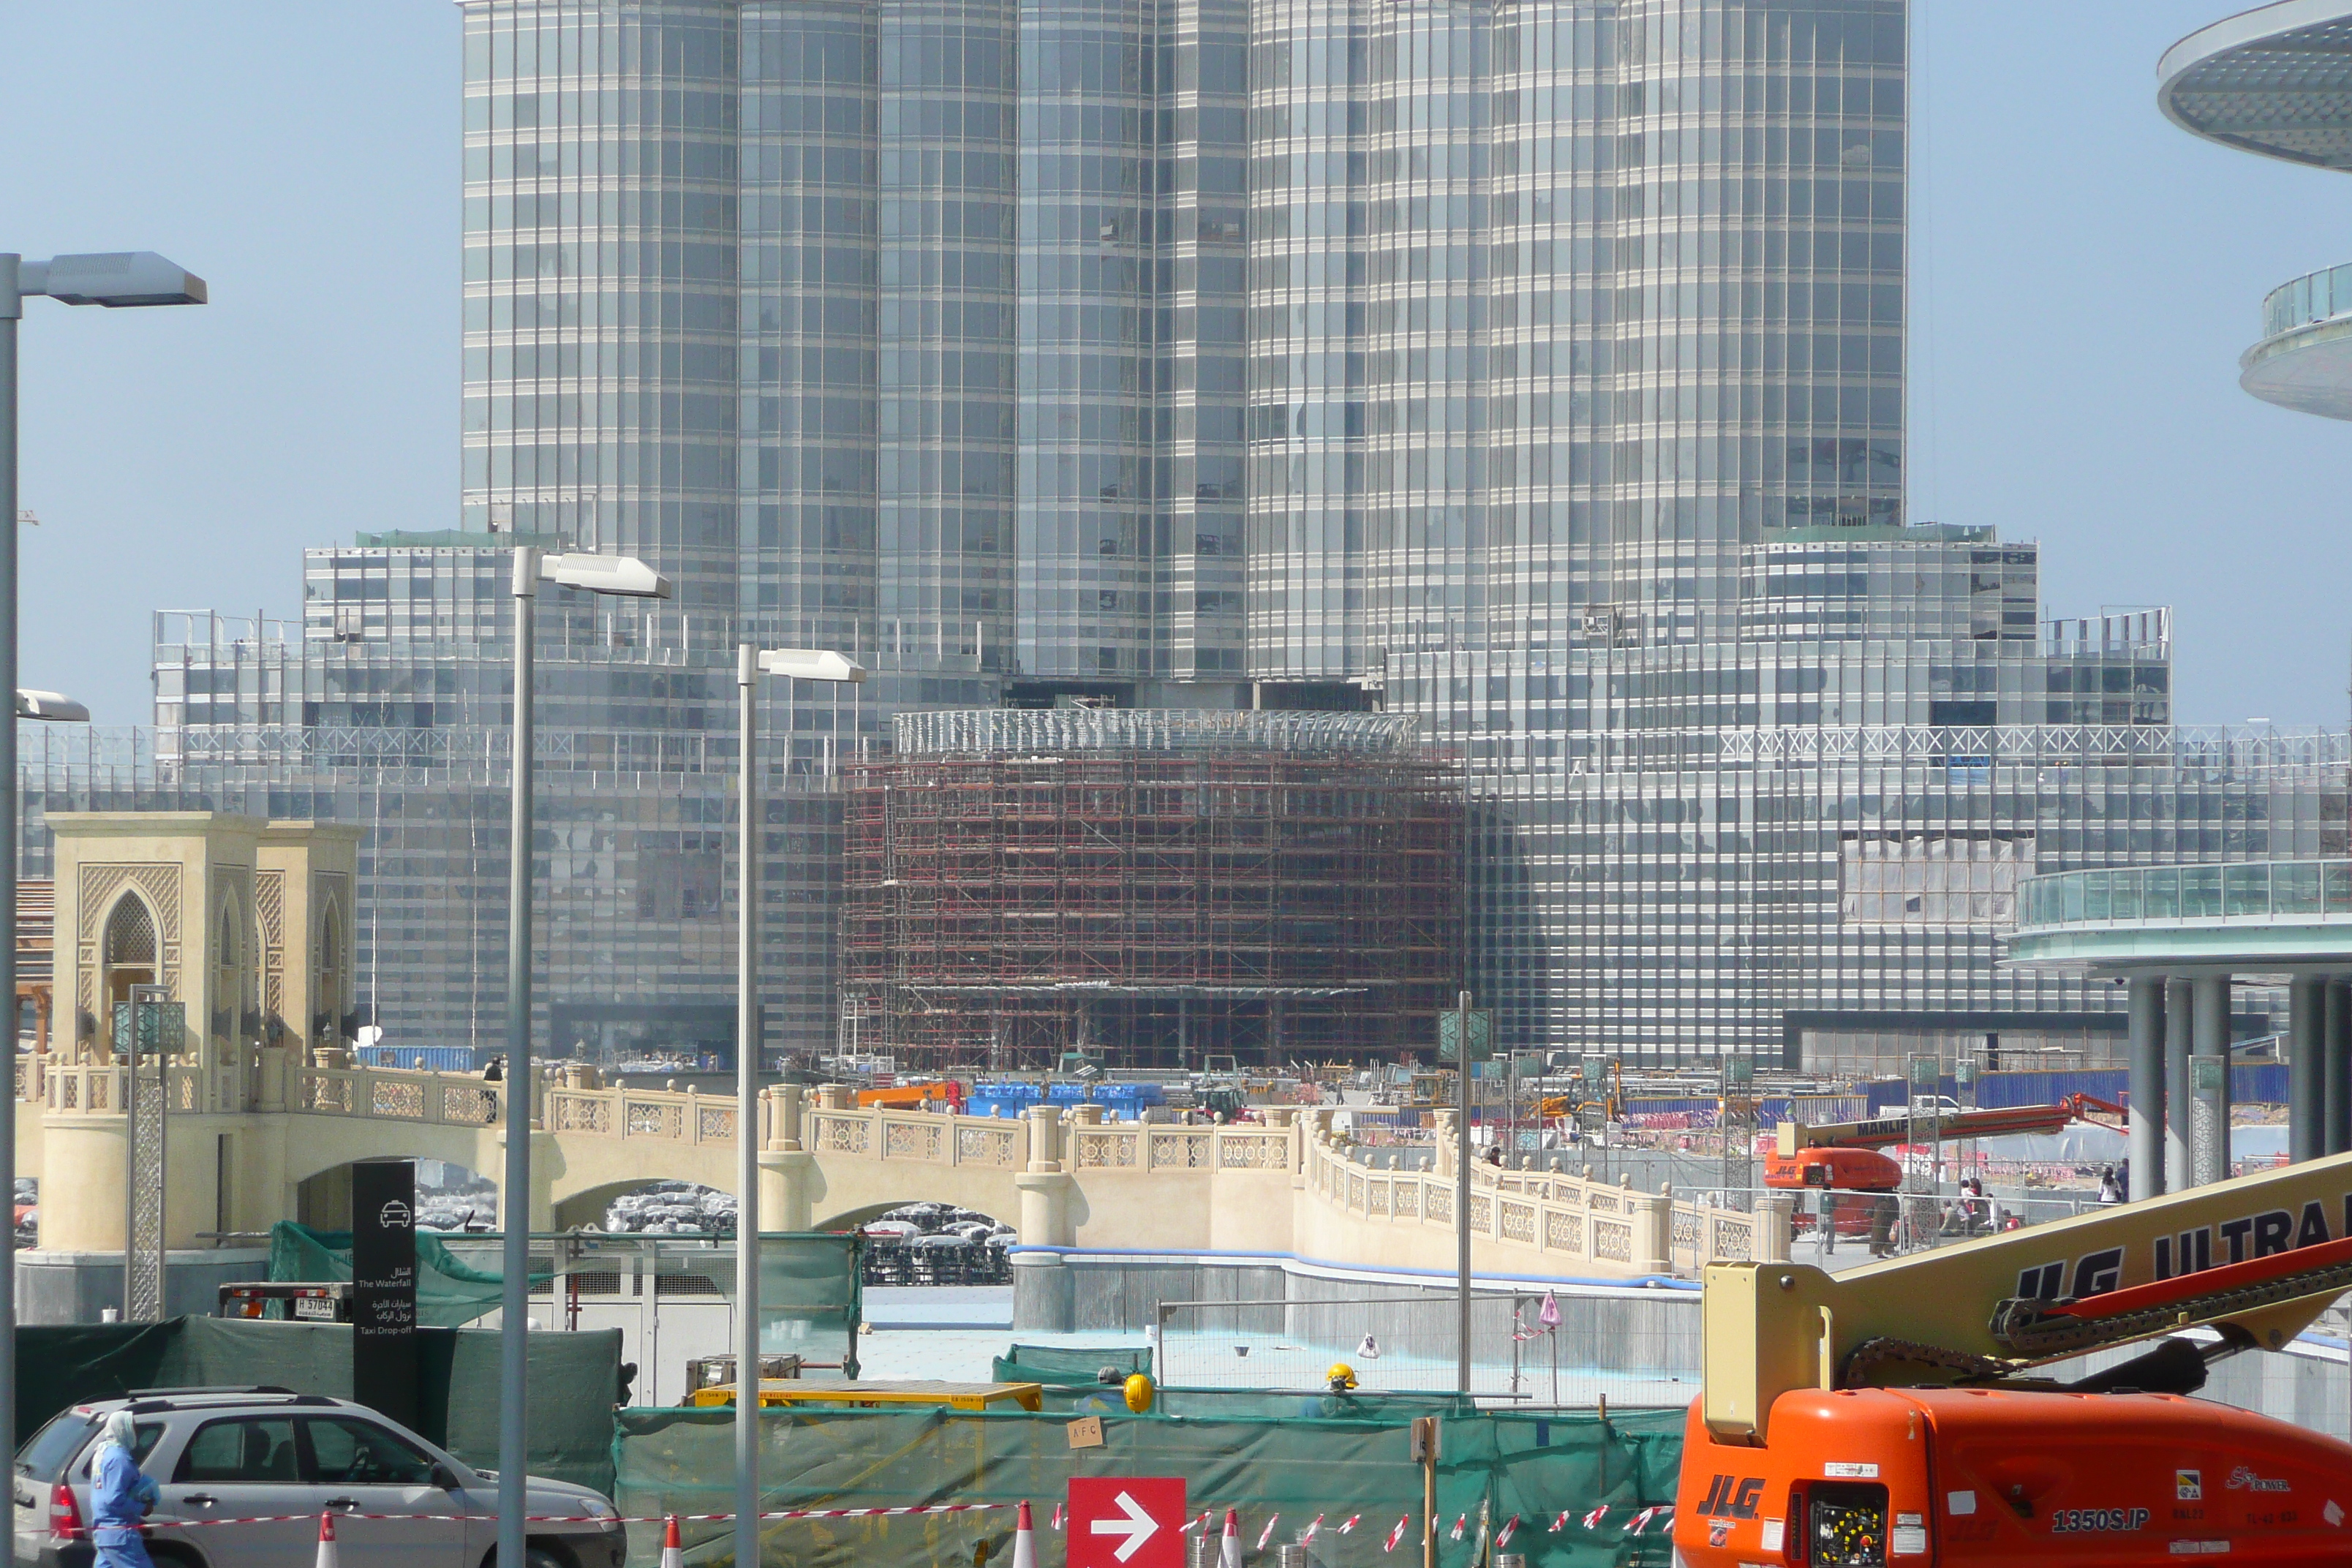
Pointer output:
x,y
585,1518
1637,1525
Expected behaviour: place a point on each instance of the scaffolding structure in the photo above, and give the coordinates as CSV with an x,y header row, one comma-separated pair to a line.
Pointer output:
x,y
1152,894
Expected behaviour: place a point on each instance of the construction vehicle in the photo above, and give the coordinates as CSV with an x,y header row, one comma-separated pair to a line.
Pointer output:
x,y
913,1096
1909,1412
1843,1157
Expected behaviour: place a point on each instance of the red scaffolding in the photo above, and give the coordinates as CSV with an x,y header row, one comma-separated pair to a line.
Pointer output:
x,y
1155,906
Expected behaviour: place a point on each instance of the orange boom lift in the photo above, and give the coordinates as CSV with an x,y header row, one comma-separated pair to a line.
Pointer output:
x,y
1842,1156
1906,1413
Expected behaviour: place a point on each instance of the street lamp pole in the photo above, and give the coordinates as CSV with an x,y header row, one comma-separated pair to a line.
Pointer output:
x,y
140,277
629,578
751,662
747,1107
514,1196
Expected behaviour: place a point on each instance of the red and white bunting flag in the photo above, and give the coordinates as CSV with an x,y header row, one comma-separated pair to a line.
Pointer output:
x,y
1199,1523
1268,1533
1559,1521
1314,1528
1461,1524
1398,1533
1593,1520
1511,1526
1350,1528
1057,1516
1641,1521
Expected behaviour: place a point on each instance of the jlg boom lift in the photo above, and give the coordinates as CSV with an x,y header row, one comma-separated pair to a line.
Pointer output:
x,y
1844,1157
1903,1414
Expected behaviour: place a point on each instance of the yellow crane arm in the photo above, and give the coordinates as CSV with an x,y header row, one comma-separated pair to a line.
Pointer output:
x,y
1769,1328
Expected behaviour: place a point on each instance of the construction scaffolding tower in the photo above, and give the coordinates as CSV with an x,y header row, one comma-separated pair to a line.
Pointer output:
x,y
1151,887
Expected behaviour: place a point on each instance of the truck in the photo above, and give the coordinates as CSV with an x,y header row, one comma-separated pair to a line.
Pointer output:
x,y
1919,1411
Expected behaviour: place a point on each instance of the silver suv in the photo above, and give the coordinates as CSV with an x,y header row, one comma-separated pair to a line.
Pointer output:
x,y
249,1453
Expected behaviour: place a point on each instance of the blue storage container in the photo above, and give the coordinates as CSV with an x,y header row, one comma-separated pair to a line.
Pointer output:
x,y
416,1058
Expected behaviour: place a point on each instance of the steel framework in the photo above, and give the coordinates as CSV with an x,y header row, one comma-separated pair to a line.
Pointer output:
x,y
1154,896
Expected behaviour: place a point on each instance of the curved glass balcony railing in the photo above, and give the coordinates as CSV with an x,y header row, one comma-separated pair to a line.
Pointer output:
x,y
2168,895
2308,300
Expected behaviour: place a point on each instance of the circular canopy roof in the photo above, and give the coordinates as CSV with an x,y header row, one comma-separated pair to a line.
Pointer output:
x,y
2277,80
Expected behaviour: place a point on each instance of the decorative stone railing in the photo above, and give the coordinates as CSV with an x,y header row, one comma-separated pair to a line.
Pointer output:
x,y
1572,1221
90,1088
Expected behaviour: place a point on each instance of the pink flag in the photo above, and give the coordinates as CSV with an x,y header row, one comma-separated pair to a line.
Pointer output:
x,y
1398,1533
1268,1533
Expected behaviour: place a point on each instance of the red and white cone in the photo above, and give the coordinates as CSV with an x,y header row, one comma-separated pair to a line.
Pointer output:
x,y
673,1550
1024,1540
327,1557
1230,1554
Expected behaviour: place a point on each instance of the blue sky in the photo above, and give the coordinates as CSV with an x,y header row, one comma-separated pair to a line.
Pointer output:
x,y
2086,276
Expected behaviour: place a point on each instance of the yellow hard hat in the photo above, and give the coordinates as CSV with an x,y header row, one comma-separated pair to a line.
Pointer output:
x,y
1139,1393
1341,1376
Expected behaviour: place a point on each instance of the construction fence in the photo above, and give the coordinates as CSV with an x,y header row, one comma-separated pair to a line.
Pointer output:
x,y
1572,1489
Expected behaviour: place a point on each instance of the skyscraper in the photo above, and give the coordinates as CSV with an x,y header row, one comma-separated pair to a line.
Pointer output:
x,y
1531,367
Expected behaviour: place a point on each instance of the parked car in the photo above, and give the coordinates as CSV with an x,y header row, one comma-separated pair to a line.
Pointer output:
x,y
249,1453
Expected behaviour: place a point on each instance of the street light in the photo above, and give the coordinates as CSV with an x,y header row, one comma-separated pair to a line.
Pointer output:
x,y
751,663
115,281
625,578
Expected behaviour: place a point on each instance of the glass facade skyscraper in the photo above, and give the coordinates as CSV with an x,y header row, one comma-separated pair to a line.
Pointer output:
x,y
1531,367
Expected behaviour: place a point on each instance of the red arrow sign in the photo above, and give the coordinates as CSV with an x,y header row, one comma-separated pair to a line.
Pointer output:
x,y
1127,1521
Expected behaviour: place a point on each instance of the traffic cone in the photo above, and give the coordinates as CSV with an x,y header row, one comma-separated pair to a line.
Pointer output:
x,y
672,1551
1230,1554
1024,1540
327,1557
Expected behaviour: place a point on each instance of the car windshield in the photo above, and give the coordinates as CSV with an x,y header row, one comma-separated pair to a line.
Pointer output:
x,y
44,1458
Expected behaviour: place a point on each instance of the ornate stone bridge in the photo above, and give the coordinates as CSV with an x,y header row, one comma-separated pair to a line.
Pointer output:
x,y
276,1140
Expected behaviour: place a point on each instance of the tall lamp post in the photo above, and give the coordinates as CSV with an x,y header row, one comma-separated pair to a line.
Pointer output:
x,y
751,663
626,577
116,281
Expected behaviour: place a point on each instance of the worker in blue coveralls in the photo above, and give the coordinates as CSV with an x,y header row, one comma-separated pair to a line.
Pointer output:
x,y
121,1496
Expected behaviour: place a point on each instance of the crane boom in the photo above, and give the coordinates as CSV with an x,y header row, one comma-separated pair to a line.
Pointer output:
x,y
2259,1257
1880,1131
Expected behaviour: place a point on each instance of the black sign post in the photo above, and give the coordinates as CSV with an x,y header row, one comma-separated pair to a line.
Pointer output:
x,y
384,1288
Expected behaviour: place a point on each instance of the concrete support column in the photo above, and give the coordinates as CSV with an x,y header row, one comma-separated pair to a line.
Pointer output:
x,y
2179,1030
2336,1028
787,1189
2306,1077
2209,1131
1045,1186
2146,1148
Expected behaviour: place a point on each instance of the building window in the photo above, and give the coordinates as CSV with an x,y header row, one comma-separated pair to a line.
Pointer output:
x,y
1932,879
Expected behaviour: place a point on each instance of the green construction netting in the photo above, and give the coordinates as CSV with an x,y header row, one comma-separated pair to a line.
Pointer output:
x,y
575,1379
1060,1366
1288,1470
449,1293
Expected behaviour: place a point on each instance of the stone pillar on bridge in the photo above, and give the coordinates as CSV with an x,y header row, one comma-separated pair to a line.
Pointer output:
x,y
1449,1139
787,1170
1044,1294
